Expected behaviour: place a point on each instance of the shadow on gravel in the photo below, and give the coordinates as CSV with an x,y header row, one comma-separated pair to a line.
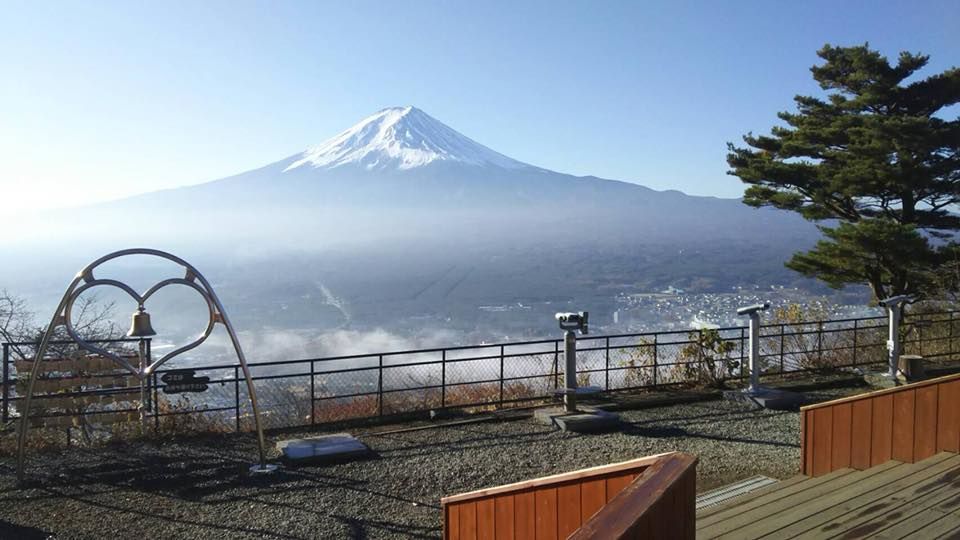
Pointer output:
x,y
659,428
213,486
475,439
11,530
188,478
361,528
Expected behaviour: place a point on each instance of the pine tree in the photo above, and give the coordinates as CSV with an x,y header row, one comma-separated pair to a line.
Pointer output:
x,y
875,163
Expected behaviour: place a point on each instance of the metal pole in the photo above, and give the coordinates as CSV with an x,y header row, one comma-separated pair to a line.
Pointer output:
x,y
783,330
142,409
380,387
570,371
655,367
443,379
744,358
6,382
700,355
313,395
820,342
501,376
556,365
893,339
236,395
920,339
950,338
855,321
754,351
606,370
156,405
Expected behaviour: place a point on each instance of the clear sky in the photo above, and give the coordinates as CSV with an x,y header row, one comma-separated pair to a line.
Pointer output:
x,y
102,100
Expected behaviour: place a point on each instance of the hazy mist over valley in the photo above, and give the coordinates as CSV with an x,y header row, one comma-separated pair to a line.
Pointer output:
x,y
402,233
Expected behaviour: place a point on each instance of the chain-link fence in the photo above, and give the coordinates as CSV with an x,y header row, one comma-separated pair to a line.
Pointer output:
x,y
321,390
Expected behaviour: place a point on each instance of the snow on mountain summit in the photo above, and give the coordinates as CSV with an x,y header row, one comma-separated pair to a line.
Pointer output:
x,y
400,138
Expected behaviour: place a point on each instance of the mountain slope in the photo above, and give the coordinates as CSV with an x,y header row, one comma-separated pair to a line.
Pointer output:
x,y
400,175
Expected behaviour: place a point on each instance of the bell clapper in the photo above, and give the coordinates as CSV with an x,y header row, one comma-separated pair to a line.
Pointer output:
x,y
140,327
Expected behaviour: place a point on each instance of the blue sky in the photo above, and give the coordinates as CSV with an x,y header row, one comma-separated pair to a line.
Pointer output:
x,y
102,100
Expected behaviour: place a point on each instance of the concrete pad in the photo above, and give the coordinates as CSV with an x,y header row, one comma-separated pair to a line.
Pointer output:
x,y
768,398
585,420
546,415
882,380
323,449
594,422
579,391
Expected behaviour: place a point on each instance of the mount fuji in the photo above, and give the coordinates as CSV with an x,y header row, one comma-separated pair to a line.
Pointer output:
x,y
400,173
400,207
401,138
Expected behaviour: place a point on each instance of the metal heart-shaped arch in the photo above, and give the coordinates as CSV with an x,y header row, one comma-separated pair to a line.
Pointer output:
x,y
62,317
141,299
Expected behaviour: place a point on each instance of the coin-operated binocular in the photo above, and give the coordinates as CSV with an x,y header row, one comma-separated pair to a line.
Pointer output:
x,y
574,322
894,306
753,312
571,323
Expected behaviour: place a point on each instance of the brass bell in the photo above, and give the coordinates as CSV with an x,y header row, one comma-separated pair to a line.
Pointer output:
x,y
140,325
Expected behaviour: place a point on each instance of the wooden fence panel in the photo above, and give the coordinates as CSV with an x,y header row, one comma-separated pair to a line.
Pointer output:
x,y
901,448
661,503
548,508
925,422
860,422
948,425
841,436
908,423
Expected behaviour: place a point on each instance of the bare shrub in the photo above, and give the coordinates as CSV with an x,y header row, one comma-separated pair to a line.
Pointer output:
x,y
707,359
810,341
640,364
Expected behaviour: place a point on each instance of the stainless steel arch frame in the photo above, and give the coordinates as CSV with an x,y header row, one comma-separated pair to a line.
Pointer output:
x,y
62,317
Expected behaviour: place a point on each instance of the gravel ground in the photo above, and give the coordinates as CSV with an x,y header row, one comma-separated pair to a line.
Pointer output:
x,y
195,488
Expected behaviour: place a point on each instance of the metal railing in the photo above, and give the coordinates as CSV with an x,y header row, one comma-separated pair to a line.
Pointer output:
x,y
320,390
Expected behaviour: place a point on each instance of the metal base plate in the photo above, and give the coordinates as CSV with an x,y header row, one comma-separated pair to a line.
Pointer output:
x,y
882,379
324,448
583,421
767,398
266,468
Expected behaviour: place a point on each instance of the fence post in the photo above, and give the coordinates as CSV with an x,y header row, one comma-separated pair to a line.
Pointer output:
x,y
783,331
820,342
501,376
6,382
156,404
700,354
380,387
920,339
236,394
743,340
950,338
606,369
443,379
855,332
556,364
313,395
655,367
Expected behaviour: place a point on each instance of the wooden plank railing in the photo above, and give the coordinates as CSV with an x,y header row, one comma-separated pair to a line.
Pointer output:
x,y
907,423
555,507
660,503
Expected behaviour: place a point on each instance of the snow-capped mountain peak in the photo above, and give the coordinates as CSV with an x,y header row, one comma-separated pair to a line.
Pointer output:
x,y
400,138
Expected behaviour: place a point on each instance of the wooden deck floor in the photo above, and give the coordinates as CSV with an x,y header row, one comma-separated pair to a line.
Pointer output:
x,y
894,500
